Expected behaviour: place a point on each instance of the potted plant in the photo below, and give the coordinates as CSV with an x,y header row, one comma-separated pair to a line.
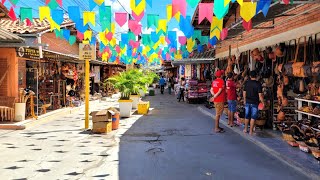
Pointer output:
x,y
124,84
139,80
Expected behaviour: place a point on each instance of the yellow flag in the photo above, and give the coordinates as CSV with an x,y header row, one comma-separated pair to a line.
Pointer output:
x,y
44,12
190,45
113,28
178,56
215,33
147,48
113,42
105,56
162,40
102,38
216,23
240,2
138,8
162,25
248,10
169,12
226,2
177,16
89,17
99,2
124,50
53,24
156,45
87,35
85,42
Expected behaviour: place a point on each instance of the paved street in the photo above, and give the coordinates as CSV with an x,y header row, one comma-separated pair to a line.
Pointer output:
x,y
175,141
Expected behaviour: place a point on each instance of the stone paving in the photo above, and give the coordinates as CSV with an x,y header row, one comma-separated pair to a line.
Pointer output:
x,y
174,141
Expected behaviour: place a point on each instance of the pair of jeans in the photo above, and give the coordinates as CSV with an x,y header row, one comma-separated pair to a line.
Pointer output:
x,y
181,96
252,111
169,90
232,106
162,88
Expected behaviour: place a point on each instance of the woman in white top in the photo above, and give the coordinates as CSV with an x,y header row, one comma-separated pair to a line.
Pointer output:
x,y
182,88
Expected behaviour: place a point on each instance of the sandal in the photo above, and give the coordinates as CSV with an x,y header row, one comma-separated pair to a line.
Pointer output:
x,y
221,130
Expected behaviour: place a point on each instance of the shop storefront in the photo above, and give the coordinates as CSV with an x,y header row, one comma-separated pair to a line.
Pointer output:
x,y
284,49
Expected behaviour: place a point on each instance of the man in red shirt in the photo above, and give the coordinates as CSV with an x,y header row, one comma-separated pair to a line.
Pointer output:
x,y
218,91
231,97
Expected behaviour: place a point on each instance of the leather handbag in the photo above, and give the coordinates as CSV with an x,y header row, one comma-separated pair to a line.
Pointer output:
x,y
290,50
300,69
265,70
316,57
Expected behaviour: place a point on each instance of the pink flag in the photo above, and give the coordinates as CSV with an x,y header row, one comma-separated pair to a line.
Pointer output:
x,y
160,52
179,6
137,17
182,40
247,25
118,49
109,36
205,11
3,1
80,35
28,22
121,18
134,44
168,56
12,14
167,40
286,1
224,34
135,27
59,2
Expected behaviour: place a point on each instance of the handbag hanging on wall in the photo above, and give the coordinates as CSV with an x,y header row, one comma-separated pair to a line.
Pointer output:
x,y
300,69
265,70
290,52
316,57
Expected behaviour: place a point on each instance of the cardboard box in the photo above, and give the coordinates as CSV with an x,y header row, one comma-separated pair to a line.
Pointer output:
x,y
102,127
101,116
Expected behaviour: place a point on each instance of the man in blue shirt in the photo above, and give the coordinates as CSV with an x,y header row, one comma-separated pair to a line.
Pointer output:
x,y
162,82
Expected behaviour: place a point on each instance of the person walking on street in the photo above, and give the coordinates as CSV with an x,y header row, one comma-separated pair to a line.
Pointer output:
x,y
231,97
252,93
218,92
182,88
162,82
170,84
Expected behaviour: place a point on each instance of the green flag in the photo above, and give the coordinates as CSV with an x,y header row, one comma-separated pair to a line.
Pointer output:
x,y
25,13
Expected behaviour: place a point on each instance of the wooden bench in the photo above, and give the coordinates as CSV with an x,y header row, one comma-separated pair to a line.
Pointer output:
x,y
7,108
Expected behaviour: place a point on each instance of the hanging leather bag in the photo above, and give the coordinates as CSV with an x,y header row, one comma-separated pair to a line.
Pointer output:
x,y
299,68
265,71
316,57
290,51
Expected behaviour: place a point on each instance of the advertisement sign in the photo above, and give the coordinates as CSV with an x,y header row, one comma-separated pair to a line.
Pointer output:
x,y
87,52
30,53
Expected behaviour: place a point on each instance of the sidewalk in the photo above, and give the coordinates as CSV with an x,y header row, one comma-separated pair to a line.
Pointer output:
x,y
271,141
60,148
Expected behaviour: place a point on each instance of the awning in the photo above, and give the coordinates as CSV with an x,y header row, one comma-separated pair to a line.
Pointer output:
x,y
193,61
7,37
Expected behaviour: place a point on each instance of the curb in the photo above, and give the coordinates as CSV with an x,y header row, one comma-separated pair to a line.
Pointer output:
x,y
298,167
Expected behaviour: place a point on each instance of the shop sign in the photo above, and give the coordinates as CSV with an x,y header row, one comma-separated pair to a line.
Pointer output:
x,y
30,53
87,52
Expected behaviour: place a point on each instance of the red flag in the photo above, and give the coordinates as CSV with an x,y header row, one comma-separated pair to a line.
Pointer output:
x,y
12,14
247,25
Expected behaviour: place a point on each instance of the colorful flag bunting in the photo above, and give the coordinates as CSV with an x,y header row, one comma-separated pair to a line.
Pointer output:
x,y
12,14
193,3
25,13
224,33
248,10
121,18
179,6
74,13
247,25
137,17
44,12
205,11
89,17
72,40
162,26
152,20
57,16
219,9
182,40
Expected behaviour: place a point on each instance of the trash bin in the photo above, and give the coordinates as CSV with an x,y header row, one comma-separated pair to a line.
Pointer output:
x,y
115,121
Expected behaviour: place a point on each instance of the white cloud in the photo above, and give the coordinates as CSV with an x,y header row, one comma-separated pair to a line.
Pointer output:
x,y
179,32
116,7
147,30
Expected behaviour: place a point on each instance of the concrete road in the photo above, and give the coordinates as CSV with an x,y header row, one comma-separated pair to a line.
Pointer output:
x,y
174,141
